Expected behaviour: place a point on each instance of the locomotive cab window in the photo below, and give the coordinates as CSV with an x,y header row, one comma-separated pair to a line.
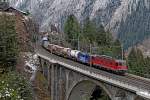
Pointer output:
x,y
121,62
116,64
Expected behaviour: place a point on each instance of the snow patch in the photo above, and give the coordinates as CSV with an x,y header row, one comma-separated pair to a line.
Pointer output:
x,y
31,65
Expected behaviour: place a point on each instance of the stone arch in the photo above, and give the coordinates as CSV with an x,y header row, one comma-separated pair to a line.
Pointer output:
x,y
96,83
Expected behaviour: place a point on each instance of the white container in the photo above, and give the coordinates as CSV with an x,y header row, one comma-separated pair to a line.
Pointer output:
x,y
74,53
45,44
45,38
68,51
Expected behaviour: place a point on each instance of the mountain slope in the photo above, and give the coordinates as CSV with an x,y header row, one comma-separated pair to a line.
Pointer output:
x,y
121,17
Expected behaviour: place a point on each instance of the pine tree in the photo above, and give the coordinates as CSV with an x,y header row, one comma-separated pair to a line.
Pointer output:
x,y
109,38
72,30
132,61
101,36
147,66
89,31
8,41
104,41
116,49
136,62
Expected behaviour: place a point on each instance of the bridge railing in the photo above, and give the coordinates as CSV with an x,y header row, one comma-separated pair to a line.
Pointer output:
x,y
88,71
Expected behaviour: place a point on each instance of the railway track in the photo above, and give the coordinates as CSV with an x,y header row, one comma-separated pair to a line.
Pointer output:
x,y
144,83
129,79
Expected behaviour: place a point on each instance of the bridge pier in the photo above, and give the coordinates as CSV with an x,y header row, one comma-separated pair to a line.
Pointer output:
x,y
56,82
59,83
52,82
49,76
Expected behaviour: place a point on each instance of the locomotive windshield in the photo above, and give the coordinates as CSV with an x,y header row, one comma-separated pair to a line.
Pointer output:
x,y
121,62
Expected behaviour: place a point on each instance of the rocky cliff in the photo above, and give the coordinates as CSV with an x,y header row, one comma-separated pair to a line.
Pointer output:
x,y
121,17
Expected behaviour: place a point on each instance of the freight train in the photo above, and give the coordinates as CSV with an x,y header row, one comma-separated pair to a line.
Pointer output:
x,y
98,61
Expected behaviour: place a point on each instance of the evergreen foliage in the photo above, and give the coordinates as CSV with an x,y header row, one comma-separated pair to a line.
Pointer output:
x,y
101,41
89,31
117,49
98,37
103,44
8,41
72,30
101,38
138,65
147,66
96,34
14,87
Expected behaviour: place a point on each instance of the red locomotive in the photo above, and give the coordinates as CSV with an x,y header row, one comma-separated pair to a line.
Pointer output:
x,y
108,63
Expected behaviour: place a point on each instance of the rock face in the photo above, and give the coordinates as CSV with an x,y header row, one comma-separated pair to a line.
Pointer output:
x,y
118,16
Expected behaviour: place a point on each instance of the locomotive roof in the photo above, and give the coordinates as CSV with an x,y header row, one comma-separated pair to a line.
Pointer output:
x,y
105,56
118,60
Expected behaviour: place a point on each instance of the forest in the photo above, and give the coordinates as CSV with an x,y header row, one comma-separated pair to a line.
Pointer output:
x,y
13,85
94,39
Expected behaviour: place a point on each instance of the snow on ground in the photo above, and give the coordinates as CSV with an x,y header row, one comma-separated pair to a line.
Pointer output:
x,y
31,64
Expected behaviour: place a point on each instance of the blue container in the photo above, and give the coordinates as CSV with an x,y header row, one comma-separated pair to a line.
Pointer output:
x,y
83,57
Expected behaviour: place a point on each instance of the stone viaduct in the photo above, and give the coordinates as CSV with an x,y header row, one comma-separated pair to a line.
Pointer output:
x,y
68,84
